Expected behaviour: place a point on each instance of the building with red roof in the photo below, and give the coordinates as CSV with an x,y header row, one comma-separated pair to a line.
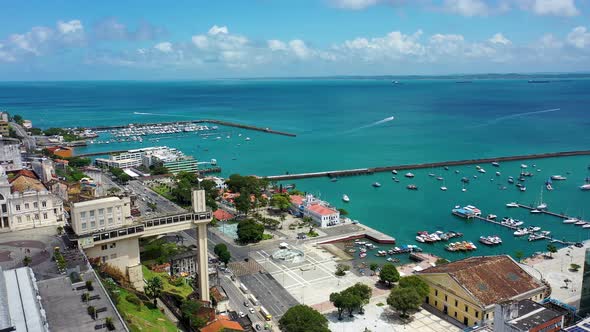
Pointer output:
x,y
222,215
319,211
222,323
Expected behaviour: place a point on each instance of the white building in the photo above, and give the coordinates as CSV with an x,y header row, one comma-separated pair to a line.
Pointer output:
x,y
10,157
26,203
319,211
100,214
27,124
174,160
44,169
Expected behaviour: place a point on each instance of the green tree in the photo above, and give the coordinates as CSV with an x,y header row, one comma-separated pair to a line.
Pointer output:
x,y
363,292
158,170
343,212
519,255
154,288
552,249
373,267
249,231
189,310
302,318
113,190
339,301
152,206
78,161
27,260
18,119
441,261
280,202
389,274
404,300
220,247
243,203
415,283
225,257
36,131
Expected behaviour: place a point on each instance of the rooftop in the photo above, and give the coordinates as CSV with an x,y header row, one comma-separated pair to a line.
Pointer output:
x,y
222,323
19,305
97,201
22,183
222,215
532,314
297,199
322,210
490,279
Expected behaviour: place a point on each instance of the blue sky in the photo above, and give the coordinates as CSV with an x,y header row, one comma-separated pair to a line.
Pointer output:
x,y
52,40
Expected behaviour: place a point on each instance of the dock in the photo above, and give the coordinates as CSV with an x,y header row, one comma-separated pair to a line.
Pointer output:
x,y
368,171
218,122
543,237
495,222
562,216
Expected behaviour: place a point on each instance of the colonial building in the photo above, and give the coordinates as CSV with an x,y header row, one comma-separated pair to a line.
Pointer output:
x,y
320,213
26,203
467,290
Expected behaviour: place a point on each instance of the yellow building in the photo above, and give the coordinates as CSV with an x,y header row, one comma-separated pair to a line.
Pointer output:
x,y
4,131
467,290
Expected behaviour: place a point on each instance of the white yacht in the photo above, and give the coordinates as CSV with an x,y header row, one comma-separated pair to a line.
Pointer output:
x,y
542,206
409,175
570,221
443,188
585,186
558,177
580,223
535,211
393,171
523,166
345,198
586,226
512,204
521,232
481,170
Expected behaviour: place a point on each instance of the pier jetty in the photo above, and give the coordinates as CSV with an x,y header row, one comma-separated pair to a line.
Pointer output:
x,y
218,122
367,171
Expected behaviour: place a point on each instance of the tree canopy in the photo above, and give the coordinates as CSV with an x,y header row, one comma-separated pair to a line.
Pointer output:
x,y
302,318
186,182
416,283
404,300
249,231
154,288
280,201
389,274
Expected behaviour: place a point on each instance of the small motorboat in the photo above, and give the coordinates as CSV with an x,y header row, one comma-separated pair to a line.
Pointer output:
x,y
492,216
498,174
393,171
431,174
345,198
512,205
443,188
495,164
523,188
446,168
376,184
412,187
585,187
586,226
523,166
409,175
395,179
510,180
535,211
440,178
481,170
580,223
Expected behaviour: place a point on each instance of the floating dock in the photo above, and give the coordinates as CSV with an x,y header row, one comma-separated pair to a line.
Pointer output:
x,y
218,122
562,216
367,171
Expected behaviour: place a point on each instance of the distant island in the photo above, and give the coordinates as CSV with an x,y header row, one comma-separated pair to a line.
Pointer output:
x,y
460,77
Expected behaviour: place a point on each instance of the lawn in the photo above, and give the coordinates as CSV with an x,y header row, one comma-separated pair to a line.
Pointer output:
x,y
145,319
184,290
163,191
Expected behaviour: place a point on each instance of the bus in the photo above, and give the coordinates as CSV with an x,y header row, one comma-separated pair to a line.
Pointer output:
x,y
243,288
265,313
253,299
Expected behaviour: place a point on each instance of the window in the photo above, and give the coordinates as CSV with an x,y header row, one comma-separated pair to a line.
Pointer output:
x,y
83,216
26,205
466,309
83,226
28,217
101,212
477,314
487,316
19,219
92,214
110,220
103,247
436,292
44,215
92,224
17,207
446,298
456,303
35,205
44,204
36,216
435,303
455,314
101,221
4,209
113,245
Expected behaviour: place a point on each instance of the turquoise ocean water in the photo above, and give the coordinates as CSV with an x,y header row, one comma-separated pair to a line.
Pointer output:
x,y
338,126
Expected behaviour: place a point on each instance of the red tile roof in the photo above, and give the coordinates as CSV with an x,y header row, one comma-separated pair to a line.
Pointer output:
x,y
490,279
222,215
223,323
25,172
322,210
297,199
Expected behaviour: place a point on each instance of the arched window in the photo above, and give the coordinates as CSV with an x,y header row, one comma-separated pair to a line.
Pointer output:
x,y
1,197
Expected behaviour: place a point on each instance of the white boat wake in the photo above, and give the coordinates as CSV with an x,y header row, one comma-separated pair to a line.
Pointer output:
x,y
143,113
376,123
514,116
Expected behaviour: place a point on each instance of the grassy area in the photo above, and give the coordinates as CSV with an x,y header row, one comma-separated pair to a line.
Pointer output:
x,y
184,290
163,191
143,318
267,236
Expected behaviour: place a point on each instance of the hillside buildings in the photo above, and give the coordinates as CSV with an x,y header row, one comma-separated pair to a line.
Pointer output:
x,y
10,157
319,211
26,203
468,290
174,160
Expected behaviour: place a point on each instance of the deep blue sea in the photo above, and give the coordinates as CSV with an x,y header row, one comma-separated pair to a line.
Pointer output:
x,y
339,125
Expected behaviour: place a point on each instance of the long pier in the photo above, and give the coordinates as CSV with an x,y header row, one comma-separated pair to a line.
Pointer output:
x,y
218,122
366,171
103,153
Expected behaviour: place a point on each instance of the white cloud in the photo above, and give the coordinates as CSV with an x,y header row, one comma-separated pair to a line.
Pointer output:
x,y
111,29
300,49
555,7
467,7
499,38
200,41
276,45
354,4
394,45
579,37
70,26
215,30
165,47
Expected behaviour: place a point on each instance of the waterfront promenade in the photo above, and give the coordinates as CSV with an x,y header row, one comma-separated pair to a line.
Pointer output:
x,y
367,171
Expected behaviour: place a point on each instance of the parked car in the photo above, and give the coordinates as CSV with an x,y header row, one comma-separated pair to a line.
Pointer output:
x,y
242,315
251,310
246,304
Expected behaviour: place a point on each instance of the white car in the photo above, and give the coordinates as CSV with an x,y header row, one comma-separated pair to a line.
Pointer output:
x,y
241,314
251,310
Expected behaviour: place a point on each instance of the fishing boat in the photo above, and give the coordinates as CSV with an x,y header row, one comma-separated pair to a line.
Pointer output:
x,y
570,221
558,177
409,175
376,184
412,187
345,198
495,164
512,205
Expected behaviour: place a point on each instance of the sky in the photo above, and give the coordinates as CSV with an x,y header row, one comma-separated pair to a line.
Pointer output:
x,y
194,39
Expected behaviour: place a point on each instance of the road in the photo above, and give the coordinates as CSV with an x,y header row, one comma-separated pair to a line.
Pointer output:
x,y
27,140
145,195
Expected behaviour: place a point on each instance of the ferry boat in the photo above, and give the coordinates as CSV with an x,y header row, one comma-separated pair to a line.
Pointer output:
x,y
558,177
345,198
495,164
490,240
409,175
376,184
570,221
412,187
